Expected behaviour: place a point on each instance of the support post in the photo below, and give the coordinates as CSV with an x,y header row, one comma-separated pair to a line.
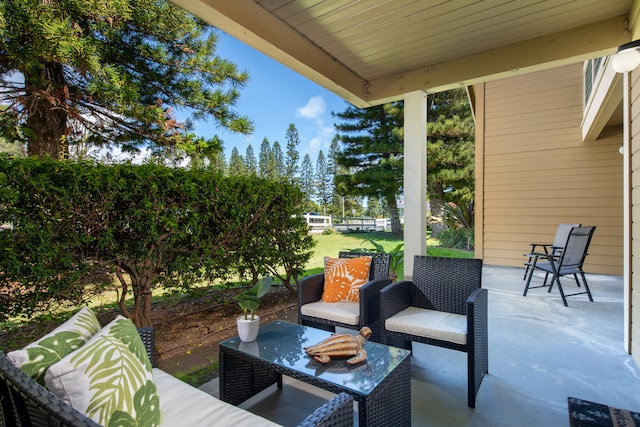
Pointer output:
x,y
415,178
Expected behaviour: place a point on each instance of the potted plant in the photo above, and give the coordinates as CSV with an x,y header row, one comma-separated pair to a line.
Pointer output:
x,y
249,301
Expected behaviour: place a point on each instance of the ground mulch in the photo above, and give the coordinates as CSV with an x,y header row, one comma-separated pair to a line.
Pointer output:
x,y
188,333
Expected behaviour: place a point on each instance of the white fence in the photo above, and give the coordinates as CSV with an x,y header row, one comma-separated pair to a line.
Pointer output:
x,y
318,223
363,224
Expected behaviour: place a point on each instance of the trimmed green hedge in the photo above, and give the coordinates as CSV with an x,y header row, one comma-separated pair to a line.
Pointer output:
x,y
148,225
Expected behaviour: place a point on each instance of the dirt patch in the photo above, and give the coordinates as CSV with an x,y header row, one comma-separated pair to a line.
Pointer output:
x,y
188,333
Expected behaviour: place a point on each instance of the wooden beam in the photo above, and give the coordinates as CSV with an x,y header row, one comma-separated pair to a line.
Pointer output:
x,y
570,46
248,22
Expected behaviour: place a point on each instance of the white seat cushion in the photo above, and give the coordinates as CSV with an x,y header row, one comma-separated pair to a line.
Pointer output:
x,y
430,324
343,312
184,405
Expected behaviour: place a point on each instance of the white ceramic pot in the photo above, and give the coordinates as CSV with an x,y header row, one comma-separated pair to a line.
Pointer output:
x,y
248,329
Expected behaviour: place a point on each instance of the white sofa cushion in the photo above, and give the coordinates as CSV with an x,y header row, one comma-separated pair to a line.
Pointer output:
x,y
109,379
36,357
344,312
184,405
430,324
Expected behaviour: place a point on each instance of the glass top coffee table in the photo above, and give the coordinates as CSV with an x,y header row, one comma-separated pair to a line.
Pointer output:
x,y
381,385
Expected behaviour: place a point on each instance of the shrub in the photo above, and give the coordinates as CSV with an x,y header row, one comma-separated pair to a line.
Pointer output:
x,y
148,225
459,238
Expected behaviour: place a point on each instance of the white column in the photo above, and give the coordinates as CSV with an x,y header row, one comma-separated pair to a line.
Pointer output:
x,y
627,216
415,178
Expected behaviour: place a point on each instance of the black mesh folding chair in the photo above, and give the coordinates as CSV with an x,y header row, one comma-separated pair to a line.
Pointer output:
x,y
569,262
562,232
313,312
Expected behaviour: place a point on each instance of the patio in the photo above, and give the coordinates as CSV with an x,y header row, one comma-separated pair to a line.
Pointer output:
x,y
540,352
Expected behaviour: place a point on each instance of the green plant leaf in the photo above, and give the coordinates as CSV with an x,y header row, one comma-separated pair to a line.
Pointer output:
x,y
50,350
115,372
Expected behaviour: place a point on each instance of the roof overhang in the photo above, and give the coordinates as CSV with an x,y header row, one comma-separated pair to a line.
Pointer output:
x,y
374,51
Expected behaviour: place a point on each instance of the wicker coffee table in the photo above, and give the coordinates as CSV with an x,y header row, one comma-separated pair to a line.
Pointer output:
x,y
381,385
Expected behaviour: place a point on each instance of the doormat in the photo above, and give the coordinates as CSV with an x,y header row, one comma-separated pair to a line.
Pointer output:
x,y
583,413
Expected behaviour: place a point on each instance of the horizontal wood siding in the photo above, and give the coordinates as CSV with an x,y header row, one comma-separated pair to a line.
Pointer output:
x,y
537,171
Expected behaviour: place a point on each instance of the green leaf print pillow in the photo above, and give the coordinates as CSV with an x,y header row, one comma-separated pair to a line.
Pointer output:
x,y
109,379
35,358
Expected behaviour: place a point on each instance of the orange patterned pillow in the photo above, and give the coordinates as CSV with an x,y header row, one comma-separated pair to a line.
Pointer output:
x,y
343,278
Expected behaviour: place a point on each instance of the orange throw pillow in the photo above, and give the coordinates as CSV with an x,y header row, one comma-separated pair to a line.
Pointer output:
x,y
343,278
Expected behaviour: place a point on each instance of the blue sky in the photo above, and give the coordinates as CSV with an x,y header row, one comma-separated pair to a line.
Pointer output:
x,y
275,97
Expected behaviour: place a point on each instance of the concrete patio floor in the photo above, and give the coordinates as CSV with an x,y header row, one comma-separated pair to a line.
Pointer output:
x,y
540,353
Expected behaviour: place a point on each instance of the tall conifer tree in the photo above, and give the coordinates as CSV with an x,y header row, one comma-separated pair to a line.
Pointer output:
x,y
323,182
293,156
278,161
372,153
236,163
450,150
250,162
113,71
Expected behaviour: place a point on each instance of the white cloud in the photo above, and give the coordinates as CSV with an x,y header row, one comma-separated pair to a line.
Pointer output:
x,y
321,140
314,108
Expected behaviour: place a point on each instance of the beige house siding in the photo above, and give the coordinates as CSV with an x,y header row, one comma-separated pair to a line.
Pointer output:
x,y
536,171
634,136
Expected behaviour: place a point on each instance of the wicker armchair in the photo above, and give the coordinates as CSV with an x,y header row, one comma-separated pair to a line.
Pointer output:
x,y
445,306
346,315
24,402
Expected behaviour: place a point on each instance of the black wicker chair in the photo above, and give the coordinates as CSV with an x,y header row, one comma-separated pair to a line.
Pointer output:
x,y
567,262
310,291
439,286
24,402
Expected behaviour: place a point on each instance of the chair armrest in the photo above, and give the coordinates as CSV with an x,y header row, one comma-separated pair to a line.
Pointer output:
x,y
477,310
370,301
337,412
544,255
544,246
310,289
394,298
148,335
25,402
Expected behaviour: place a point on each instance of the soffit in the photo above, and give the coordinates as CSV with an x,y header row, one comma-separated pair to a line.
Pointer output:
x,y
374,51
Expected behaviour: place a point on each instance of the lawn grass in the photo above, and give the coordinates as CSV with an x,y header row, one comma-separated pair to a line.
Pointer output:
x,y
332,244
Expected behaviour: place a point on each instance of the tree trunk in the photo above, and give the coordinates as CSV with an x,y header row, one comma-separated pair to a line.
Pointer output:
x,y
47,115
392,206
436,198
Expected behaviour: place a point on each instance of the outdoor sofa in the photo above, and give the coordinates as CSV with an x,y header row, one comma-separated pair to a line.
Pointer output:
x,y
24,402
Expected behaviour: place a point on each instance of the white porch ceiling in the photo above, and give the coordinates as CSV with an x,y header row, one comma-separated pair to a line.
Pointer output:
x,y
373,51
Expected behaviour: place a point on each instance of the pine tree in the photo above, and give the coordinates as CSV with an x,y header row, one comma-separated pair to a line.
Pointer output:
x,y
236,163
450,151
250,162
375,207
373,154
337,196
278,161
266,166
291,161
307,178
323,182
115,70
219,163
